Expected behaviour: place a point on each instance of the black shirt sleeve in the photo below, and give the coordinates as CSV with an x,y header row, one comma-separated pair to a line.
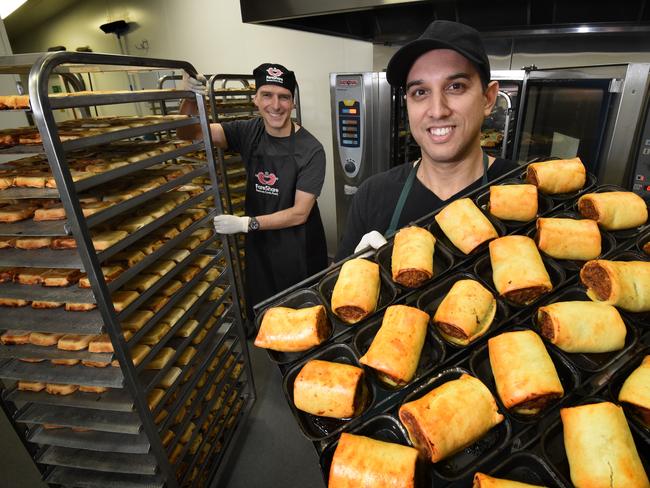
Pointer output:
x,y
312,174
239,135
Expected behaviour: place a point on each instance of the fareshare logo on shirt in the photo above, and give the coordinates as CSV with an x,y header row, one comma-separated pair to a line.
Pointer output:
x,y
274,75
266,183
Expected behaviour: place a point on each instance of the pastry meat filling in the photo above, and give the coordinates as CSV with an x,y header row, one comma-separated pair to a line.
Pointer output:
x,y
360,396
418,437
534,405
587,209
546,326
451,330
350,313
526,295
646,247
322,326
595,277
531,177
412,278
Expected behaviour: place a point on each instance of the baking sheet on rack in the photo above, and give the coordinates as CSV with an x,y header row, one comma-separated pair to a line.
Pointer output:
x,y
118,422
99,461
73,375
97,479
42,258
51,320
114,400
92,440
52,352
72,293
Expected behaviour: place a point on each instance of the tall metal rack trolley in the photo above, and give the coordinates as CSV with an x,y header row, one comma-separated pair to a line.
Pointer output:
x,y
136,433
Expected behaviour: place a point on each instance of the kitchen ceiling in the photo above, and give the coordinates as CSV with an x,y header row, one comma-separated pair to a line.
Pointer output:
x,y
395,21
32,14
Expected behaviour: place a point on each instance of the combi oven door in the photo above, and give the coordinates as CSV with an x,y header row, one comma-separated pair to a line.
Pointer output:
x,y
592,112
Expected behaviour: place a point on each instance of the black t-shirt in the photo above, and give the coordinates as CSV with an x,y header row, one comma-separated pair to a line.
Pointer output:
x,y
375,201
308,152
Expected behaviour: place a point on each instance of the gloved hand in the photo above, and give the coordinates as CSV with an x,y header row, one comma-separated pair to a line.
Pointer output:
x,y
373,240
197,85
230,224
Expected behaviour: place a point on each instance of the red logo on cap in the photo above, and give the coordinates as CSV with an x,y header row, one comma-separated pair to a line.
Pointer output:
x,y
266,178
274,71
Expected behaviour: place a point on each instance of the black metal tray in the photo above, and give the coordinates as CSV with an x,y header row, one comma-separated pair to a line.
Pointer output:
x,y
318,428
607,241
483,269
620,235
589,362
382,428
553,451
569,377
642,240
433,352
443,261
430,300
527,467
473,457
304,298
387,294
440,236
614,389
544,206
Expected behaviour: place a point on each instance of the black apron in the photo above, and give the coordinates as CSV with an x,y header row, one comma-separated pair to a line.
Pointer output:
x,y
406,190
277,259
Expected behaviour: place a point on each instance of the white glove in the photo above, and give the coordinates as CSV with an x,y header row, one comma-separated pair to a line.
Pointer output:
x,y
373,240
197,85
230,224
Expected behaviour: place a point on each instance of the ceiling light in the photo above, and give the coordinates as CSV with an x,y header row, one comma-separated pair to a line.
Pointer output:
x,y
7,7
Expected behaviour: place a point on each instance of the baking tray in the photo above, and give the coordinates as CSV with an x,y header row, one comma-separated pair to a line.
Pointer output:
x,y
114,400
440,236
41,258
304,298
317,428
55,320
75,375
72,293
83,478
387,295
20,193
526,467
614,389
607,242
642,240
384,428
52,352
91,440
553,451
569,376
99,420
620,235
483,269
544,206
443,261
589,362
34,228
473,457
432,297
433,353
109,462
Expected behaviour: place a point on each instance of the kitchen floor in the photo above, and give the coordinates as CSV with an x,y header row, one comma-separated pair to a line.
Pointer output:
x,y
271,452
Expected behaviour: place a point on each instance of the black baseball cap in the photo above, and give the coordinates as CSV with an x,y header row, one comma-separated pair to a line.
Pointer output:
x,y
440,34
274,74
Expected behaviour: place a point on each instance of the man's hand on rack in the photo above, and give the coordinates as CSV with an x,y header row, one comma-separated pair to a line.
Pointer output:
x,y
197,85
230,224
373,240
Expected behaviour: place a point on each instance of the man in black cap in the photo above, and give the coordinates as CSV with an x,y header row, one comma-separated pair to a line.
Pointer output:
x,y
285,168
445,74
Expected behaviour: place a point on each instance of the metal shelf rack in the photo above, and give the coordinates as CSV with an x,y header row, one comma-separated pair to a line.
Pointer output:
x,y
121,443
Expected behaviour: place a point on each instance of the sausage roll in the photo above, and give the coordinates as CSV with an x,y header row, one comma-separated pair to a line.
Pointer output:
x,y
614,210
558,176
513,202
466,312
636,390
450,417
582,327
600,448
518,271
465,225
412,259
363,462
484,481
289,330
356,290
624,284
568,238
330,389
523,371
395,351
646,247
